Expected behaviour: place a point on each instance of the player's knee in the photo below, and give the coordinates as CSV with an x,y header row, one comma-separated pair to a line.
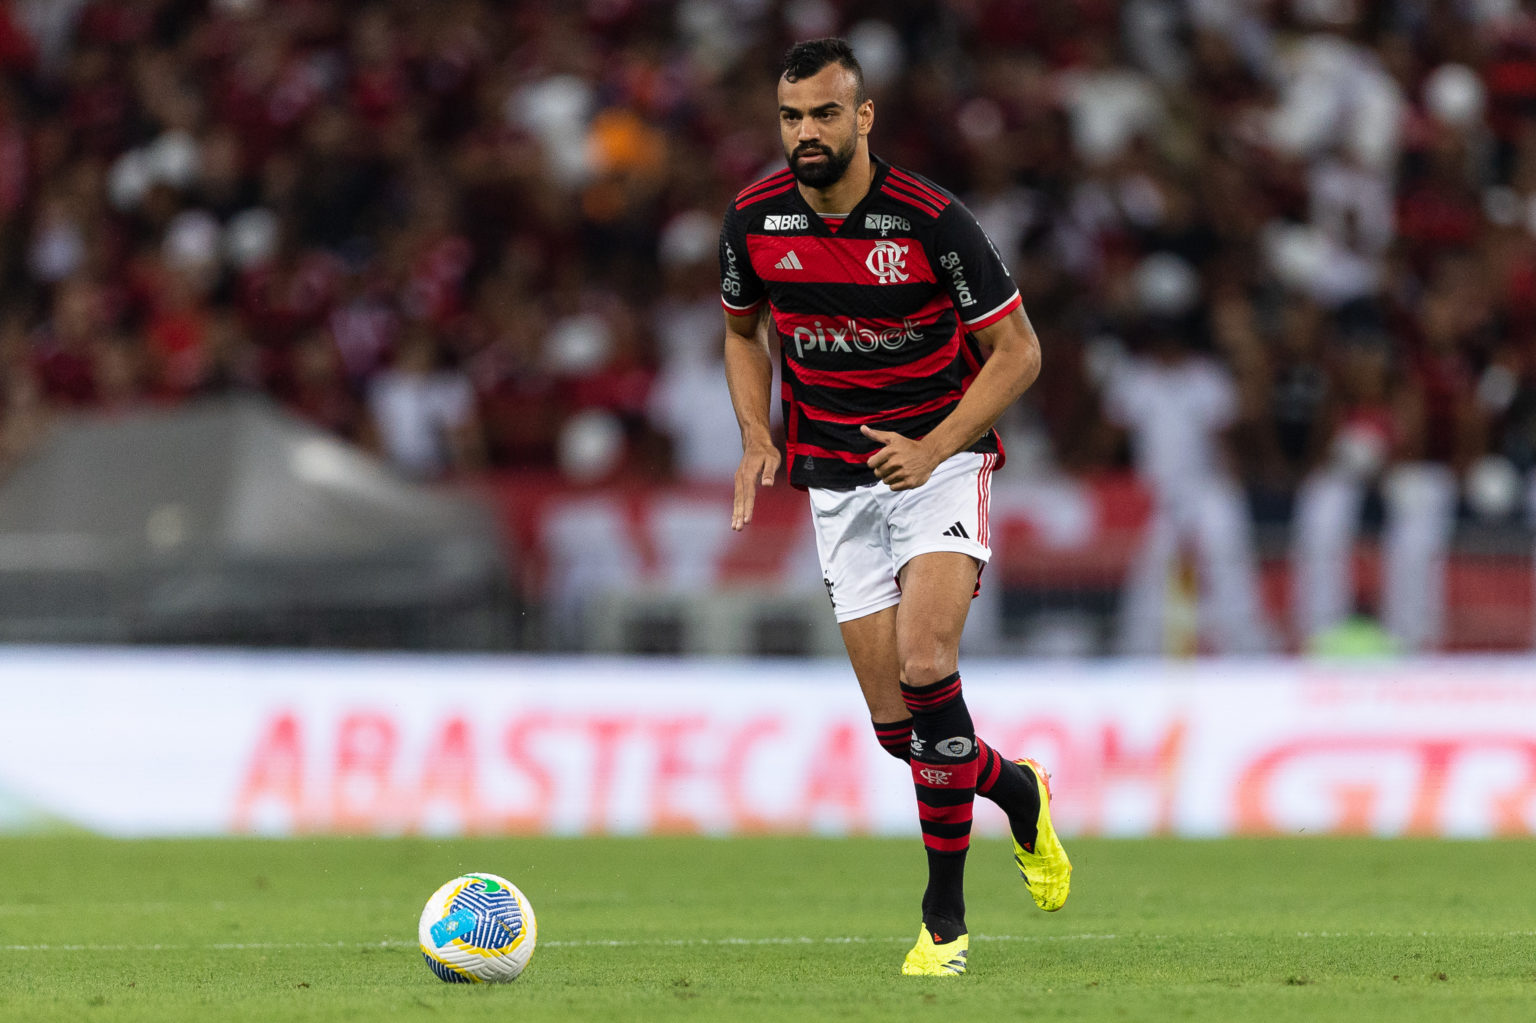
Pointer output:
x,y
924,669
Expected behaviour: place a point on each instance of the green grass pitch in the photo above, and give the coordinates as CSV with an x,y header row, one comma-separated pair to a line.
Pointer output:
x,y
770,929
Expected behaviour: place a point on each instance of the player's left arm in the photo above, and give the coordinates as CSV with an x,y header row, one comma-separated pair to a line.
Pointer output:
x,y
1012,366
980,288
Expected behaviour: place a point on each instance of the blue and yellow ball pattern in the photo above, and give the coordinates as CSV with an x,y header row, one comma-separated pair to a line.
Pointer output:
x,y
476,929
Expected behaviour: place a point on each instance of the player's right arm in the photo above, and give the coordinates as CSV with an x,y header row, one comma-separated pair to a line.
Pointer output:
x,y
749,375
748,365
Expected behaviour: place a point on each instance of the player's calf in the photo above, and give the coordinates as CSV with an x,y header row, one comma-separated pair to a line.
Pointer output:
x,y
943,761
1001,780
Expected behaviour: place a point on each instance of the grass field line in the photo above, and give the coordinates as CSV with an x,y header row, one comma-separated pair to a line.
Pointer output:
x,y
257,946
167,906
279,946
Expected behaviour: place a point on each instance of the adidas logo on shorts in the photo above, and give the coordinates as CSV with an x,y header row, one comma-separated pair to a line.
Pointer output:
x,y
957,530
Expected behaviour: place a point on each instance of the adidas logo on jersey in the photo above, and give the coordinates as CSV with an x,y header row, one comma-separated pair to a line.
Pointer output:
x,y
789,262
957,530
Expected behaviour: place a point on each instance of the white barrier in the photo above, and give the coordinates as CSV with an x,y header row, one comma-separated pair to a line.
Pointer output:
x,y
196,743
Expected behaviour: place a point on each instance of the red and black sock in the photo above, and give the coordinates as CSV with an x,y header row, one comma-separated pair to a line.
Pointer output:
x,y
1014,789
998,778
944,765
895,738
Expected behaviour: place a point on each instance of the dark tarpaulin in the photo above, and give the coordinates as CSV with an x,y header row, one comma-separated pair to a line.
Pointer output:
x,y
228,521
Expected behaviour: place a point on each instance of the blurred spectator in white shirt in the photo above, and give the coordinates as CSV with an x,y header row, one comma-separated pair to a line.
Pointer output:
x,y
687,402
1177,405
423,412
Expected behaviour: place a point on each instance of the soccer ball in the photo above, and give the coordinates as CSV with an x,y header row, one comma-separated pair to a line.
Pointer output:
x,y
476,929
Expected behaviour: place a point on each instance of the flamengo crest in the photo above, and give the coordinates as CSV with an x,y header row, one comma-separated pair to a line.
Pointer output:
x,y
888,261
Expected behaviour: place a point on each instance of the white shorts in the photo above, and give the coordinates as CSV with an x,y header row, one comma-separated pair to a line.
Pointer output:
x,y
864,536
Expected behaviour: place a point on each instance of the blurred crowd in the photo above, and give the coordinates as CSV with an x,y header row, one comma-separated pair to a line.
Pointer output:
x,y
1276,250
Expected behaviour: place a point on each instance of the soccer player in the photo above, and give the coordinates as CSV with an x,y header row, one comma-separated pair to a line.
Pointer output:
x,y
903,339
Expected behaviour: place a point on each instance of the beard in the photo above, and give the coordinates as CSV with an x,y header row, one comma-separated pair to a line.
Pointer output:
x,y
826,173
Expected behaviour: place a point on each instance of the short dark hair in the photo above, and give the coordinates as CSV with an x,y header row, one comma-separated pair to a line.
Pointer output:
x,y
808,58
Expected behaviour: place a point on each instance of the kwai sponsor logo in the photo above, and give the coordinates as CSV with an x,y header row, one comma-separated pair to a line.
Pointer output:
x,y
951,261
731,283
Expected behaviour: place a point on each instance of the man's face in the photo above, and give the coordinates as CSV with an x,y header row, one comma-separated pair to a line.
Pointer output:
x,y
821,124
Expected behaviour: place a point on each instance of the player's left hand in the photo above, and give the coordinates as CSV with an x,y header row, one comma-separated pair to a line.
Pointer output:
x,y
903,463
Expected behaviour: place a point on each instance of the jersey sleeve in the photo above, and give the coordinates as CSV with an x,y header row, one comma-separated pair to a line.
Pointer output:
x,y
970,268
741,290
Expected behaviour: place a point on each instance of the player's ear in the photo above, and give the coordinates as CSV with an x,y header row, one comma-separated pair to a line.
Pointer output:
x,y
866,116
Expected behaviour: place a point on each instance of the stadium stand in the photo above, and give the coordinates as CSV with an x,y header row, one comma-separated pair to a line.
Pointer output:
x,y
477,238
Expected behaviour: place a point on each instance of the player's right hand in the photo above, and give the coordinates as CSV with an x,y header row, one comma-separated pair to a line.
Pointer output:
x,y
759,464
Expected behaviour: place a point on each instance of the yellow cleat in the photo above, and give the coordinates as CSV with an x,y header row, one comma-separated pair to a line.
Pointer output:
x,y
1046,869
930,960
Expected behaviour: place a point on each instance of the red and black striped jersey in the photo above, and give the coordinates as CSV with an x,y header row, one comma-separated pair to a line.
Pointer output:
x,y
873,316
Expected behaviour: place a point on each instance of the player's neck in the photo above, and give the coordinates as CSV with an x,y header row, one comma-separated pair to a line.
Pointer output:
x,y
846,192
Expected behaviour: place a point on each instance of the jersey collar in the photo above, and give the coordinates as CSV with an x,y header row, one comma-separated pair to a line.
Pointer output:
x,y
819,226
